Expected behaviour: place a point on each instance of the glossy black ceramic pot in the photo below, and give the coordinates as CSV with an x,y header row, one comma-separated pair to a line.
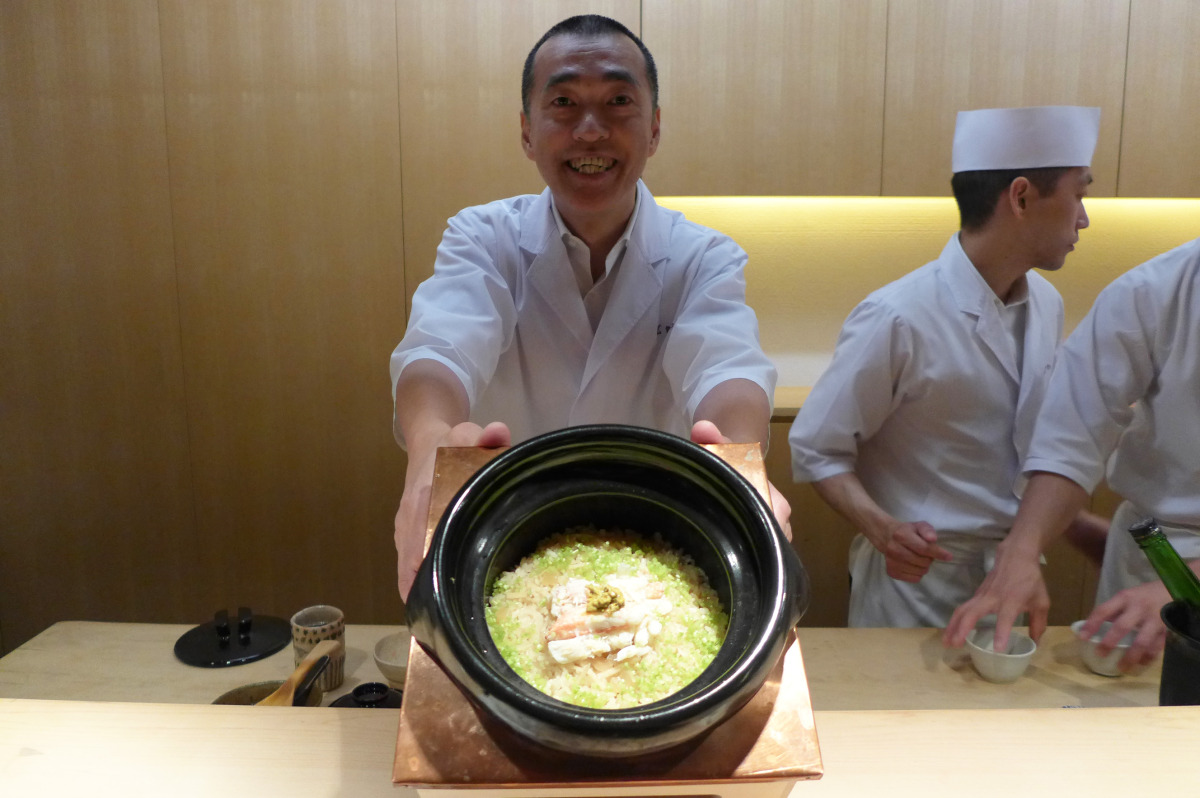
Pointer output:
x,y
609,476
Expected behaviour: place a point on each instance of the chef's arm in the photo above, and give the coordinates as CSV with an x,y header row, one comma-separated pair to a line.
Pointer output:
x,y
1015,585
1088,532
430,401
738,411
909,547
1050,505
846,495
432,410
741,410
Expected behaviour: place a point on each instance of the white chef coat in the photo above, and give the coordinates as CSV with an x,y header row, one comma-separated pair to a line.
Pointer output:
x,y
926,402
503,311
1128,383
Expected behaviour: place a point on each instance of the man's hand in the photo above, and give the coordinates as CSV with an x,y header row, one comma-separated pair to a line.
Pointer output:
x,y
910,548
782,509
1135,609
413,516
706,432
1014,586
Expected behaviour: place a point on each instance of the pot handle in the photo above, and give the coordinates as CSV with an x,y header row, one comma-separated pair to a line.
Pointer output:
x,y
799,589
418,612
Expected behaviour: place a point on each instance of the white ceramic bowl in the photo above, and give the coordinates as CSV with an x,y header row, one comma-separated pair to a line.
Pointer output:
x,y
391,656
998,666
1103,665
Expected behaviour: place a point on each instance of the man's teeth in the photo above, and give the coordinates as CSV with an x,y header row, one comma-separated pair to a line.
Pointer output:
x,y
592,165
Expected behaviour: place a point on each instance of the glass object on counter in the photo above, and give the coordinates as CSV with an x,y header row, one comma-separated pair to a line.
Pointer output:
x,y
1180,580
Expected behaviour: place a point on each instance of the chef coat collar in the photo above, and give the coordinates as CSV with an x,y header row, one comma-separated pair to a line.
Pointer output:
x,y
583,270
969,287
648,239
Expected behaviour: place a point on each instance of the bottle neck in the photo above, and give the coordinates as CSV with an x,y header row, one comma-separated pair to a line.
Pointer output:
x,y
1147,530
1179,579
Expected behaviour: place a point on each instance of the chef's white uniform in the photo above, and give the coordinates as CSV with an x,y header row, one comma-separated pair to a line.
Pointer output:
x,y
931,402
1128,383
504,312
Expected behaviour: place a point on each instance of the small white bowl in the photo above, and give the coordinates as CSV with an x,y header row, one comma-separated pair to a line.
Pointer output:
x,y
1000,667
391,657
1106,665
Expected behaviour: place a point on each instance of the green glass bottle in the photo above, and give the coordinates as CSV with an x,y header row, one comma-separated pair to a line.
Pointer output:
x,y
1180,580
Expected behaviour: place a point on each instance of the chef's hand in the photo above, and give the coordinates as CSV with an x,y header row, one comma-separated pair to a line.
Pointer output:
x,y
909,549
413,516
1133,609
706,432
1015,585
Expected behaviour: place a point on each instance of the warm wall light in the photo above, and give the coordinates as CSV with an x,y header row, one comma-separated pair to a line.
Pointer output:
x,y
812,259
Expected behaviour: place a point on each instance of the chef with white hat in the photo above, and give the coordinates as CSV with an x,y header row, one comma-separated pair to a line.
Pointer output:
x,y
917,430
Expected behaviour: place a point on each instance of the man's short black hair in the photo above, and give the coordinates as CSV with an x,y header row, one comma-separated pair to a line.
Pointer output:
x,y
978,192
586,25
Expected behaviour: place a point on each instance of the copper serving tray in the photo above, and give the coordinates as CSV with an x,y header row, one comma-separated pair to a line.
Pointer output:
x,y
444,744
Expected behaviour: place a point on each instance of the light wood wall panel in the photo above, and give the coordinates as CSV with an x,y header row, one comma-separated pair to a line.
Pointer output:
x,y
94,494
772,97
283,135
945,56
1160,140
460,102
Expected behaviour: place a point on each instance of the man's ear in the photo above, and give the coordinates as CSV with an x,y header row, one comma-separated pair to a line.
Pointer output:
x,y
526,144
1019,195
654,130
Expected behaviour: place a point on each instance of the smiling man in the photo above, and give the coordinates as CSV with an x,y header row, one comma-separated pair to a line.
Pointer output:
x,y
916,431
587,303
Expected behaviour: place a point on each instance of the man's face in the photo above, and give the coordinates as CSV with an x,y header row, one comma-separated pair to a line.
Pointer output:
x,y
1057,218
591,124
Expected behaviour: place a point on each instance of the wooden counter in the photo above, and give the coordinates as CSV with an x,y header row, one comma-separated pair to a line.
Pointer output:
x,y
847,669
854,669
96,747
60,748
90,661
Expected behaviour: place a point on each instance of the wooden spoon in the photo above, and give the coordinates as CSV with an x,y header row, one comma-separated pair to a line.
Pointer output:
x,y
284,695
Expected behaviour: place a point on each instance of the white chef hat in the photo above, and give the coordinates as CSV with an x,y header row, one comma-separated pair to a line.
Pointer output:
x,y
1025,138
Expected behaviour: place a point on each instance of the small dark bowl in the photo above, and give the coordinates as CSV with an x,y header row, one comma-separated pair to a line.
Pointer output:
x,y
608,476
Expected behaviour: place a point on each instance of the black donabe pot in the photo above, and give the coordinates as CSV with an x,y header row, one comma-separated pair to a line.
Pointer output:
x,y
609,476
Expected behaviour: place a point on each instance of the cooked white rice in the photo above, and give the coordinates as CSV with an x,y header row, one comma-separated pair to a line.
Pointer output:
x,y
519,617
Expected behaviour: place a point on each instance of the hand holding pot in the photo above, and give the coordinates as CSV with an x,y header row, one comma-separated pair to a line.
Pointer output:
x,y
413,515
706,432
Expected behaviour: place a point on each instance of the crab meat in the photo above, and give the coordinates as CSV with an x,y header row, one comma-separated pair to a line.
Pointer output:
x,y
588,622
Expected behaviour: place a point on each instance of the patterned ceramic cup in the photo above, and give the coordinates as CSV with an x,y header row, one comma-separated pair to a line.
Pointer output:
x,y
310,626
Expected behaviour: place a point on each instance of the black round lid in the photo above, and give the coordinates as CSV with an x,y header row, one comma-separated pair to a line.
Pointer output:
x,y
217,645
371,695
